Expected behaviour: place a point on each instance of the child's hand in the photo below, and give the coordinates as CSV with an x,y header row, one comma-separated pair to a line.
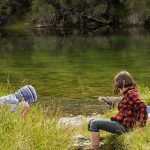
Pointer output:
x,y
1,104
109,100
24,106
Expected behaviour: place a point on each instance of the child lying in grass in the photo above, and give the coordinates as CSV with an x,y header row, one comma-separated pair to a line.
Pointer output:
x,y
22,99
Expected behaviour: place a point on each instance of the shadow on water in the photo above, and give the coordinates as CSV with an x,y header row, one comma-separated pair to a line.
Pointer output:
x,y
64,32
102,31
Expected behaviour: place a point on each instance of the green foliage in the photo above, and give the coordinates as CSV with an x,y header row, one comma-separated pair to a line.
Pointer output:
x,y
138,11
36,4
5,11
137,6
88,13
71,12
77,12
9,9
43,16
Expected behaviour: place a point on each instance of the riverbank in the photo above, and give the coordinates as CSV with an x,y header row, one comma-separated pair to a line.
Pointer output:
x,y
79,14
40,130
21,25
18,24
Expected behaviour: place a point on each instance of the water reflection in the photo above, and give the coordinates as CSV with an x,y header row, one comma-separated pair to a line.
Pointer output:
x,y
75,69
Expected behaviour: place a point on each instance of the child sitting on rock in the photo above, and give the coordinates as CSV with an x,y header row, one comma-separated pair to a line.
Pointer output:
x,y
22,99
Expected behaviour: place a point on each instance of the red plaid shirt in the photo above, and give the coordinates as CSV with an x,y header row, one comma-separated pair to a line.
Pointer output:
x,y
131,109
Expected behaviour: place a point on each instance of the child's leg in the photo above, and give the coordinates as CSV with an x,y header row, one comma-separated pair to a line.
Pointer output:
x,y
95,125
106,125
95,139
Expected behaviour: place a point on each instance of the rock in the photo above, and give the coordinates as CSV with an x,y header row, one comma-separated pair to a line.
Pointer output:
x,y
82,143
79,139
69,121
75,120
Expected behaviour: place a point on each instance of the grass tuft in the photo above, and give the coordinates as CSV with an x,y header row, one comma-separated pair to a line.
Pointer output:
x,y
38,130
144,92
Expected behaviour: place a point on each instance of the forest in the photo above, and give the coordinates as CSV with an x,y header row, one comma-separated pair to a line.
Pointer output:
x,y
76,13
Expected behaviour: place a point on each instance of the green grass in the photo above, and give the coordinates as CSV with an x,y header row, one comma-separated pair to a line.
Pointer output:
x,y
138,139
40,131
144,93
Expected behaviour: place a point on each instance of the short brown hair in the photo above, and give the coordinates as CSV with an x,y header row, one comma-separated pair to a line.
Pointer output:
x,y
118,79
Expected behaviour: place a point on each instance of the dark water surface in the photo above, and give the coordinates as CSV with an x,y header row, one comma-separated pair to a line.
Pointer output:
x,y
75,69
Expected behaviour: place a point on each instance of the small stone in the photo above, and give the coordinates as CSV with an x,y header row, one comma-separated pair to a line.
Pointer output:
x,y
79,138
101,144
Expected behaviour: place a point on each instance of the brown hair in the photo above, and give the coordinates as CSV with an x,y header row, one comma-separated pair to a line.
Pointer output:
x,y
123,79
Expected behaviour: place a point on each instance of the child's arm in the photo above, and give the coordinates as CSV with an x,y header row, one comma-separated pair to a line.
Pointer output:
x,y
1,104
24,106
109,100
139,107
142,112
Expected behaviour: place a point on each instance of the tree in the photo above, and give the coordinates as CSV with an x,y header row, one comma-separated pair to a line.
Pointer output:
x,y
10,9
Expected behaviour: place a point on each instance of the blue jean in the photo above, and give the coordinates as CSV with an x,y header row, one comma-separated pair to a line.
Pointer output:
x,y
106,125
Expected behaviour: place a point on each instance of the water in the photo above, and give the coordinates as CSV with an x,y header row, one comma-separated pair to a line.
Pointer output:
x,y
75,69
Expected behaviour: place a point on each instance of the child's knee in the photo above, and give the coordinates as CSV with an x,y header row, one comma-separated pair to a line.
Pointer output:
x,y
89,123
93,125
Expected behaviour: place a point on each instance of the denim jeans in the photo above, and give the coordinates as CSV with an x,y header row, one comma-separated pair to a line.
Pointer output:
x,y
106,125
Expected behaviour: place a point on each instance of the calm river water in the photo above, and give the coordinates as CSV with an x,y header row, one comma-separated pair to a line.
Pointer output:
x,y
74,69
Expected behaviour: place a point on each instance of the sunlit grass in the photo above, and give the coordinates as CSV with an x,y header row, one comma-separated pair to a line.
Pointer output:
x,y
38,130
137,139
144,93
